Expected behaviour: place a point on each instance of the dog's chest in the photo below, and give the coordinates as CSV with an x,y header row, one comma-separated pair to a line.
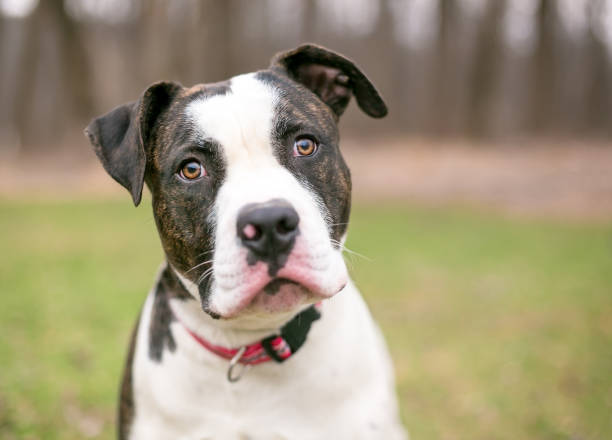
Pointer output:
x,y
329,387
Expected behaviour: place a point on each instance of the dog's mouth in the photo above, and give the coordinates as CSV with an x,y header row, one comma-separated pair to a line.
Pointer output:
x,y
250,290
276,284
280,295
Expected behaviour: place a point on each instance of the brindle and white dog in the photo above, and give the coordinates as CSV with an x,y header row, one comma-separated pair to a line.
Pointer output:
x,y
251,198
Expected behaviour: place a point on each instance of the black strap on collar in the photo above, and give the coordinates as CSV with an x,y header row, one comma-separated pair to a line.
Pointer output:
x,y
294,332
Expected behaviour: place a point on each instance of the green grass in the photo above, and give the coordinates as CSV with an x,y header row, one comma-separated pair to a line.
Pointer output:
x,y
499,328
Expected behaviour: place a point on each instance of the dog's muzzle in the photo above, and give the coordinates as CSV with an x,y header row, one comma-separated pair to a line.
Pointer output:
x,y
268,230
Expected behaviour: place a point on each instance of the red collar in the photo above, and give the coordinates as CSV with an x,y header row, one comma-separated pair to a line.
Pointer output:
x,y
277,347
251,354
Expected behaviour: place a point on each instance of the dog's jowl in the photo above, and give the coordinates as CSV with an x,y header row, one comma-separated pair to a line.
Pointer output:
x,y
253,329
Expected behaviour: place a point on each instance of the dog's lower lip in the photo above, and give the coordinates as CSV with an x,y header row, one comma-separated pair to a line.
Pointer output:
x,y
273,286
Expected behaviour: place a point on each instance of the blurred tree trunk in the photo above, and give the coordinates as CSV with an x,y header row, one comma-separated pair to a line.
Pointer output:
x,y
543,76
70,91
442,93
599,93
74,69
218,39
385,68
485,68
26,78
309,21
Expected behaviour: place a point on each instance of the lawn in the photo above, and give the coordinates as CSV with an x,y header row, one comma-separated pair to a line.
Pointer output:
x,y
499,328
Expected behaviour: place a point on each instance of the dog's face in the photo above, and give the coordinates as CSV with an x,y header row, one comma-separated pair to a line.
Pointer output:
x,y
251,195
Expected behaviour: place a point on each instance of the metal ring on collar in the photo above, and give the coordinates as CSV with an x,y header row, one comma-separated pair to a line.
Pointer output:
x,y
234,362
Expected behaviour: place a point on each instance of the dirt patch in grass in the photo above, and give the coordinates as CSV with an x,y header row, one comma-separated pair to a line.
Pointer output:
x,y
541,178
559,179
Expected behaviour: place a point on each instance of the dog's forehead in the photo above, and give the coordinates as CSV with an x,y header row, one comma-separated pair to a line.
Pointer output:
x,y
240,120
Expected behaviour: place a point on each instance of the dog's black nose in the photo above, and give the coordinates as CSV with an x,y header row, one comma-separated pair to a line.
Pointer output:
x,y
268,230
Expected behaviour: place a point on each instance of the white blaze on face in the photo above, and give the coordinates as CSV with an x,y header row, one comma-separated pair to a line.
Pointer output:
x,y
241,122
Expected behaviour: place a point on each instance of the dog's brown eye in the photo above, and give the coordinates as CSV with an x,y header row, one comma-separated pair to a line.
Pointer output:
x,y
304,147
192,170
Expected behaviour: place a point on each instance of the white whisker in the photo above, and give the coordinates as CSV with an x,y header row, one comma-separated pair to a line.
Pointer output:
x,y
199,265
207,273
205,252
349,251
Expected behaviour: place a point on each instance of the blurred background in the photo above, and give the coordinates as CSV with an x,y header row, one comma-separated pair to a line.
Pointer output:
x,y
483,202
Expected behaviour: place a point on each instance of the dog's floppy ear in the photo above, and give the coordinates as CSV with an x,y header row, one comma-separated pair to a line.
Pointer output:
x,y
332,77
120,137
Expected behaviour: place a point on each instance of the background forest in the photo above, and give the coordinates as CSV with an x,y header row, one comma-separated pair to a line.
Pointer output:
x,y
469,68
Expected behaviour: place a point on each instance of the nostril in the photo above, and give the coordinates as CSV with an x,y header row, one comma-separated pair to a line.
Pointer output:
x,y
286,225
281,228
251,232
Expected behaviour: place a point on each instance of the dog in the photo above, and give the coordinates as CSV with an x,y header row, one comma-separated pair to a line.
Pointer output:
x,y
253,329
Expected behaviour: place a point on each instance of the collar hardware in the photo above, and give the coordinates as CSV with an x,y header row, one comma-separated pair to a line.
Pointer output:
x,y
234,362
277,347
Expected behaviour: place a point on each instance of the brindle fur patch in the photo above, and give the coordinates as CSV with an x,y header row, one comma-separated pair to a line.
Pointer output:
x,y
160,335
182,209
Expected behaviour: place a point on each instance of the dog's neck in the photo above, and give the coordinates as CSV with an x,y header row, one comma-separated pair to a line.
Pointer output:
x,y
230,333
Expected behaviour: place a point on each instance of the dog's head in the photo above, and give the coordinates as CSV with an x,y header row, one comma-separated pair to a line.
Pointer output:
x,y
251,195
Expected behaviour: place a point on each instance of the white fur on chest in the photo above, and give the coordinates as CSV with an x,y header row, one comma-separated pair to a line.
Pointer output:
x,y
339,385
